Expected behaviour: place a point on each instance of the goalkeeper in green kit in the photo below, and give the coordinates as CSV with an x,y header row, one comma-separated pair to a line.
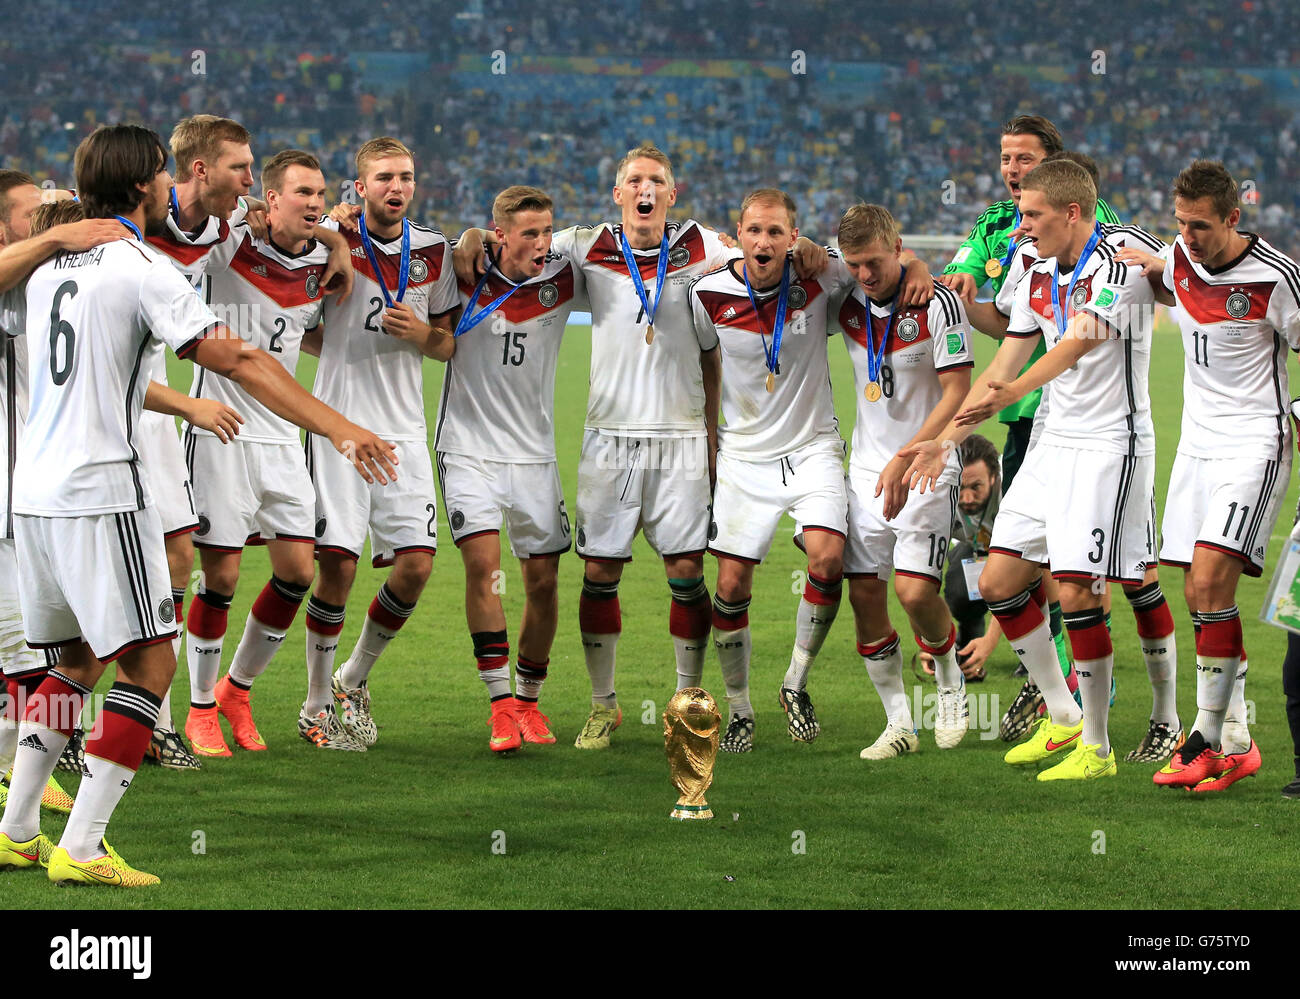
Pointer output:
x,y
986,256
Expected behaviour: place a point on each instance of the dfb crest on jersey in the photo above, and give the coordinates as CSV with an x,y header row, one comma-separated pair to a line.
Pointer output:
x,y
908,329
1079,297
798,298
419,269
679,256
320,528
167,611
313,285
548,295
457,520
1238,305
205,525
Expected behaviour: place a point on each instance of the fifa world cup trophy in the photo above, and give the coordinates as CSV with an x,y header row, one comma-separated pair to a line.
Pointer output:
x,y
691,723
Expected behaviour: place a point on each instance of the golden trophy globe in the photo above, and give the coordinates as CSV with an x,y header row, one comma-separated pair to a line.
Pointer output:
x,y
691,723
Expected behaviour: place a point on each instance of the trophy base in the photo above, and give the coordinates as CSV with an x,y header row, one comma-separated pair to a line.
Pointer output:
x,y
691,812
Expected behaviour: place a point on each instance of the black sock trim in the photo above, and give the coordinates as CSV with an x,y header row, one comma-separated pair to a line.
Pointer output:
x,y
288,591
217,601
1147,597
593,590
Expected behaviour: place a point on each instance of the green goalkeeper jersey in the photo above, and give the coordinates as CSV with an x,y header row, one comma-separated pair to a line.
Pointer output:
x,y
988,241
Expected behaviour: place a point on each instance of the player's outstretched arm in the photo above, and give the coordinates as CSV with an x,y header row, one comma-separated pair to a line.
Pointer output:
x,y
1085,333
19,260
930,458
266,380
893,481
213,416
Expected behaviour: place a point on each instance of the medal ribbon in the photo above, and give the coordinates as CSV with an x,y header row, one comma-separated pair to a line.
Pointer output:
x,y
469,318
130,225
782,298
1011,243
876,355
403,267
635,271
1091,245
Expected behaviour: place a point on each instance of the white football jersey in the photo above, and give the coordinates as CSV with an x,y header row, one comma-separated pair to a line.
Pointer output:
x,y
760,425
639,389
1236,322
923,342
269,298
377,380
188,252
1101,403
108,308
13,390
498,396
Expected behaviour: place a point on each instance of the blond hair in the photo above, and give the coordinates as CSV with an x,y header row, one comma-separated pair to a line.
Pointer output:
x,y
769,196
377,149
647,151
1063,183
53,213
864,224
200,137
519,198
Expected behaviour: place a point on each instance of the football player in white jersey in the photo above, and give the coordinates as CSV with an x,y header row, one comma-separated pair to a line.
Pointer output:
x,y
780,450
1083,498
496,453
95,580
1238,308
258,490
1157,638
372,349
22,669
213,178
911,369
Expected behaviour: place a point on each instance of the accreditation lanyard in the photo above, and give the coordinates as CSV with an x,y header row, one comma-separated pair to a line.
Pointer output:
x,y
772,355
469,318
403,266
635,271
1091,245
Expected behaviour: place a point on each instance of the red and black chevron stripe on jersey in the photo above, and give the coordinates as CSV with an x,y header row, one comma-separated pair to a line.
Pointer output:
x,y
1208,303
1040,294
188,253
286,287
607,251
389,262
736,312
526,303
851,321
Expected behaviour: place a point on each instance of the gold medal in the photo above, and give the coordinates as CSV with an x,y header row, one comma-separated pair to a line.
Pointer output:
x,y
650,333
771,381
872,391
993,268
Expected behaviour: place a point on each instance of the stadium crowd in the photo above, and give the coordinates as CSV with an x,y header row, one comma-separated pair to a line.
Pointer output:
x,y
916,135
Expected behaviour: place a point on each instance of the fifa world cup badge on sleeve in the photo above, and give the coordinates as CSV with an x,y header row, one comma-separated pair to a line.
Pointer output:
x,y
1282,604
691,723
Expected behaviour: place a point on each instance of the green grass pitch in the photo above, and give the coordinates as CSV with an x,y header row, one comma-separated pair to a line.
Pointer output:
x,y
429,817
